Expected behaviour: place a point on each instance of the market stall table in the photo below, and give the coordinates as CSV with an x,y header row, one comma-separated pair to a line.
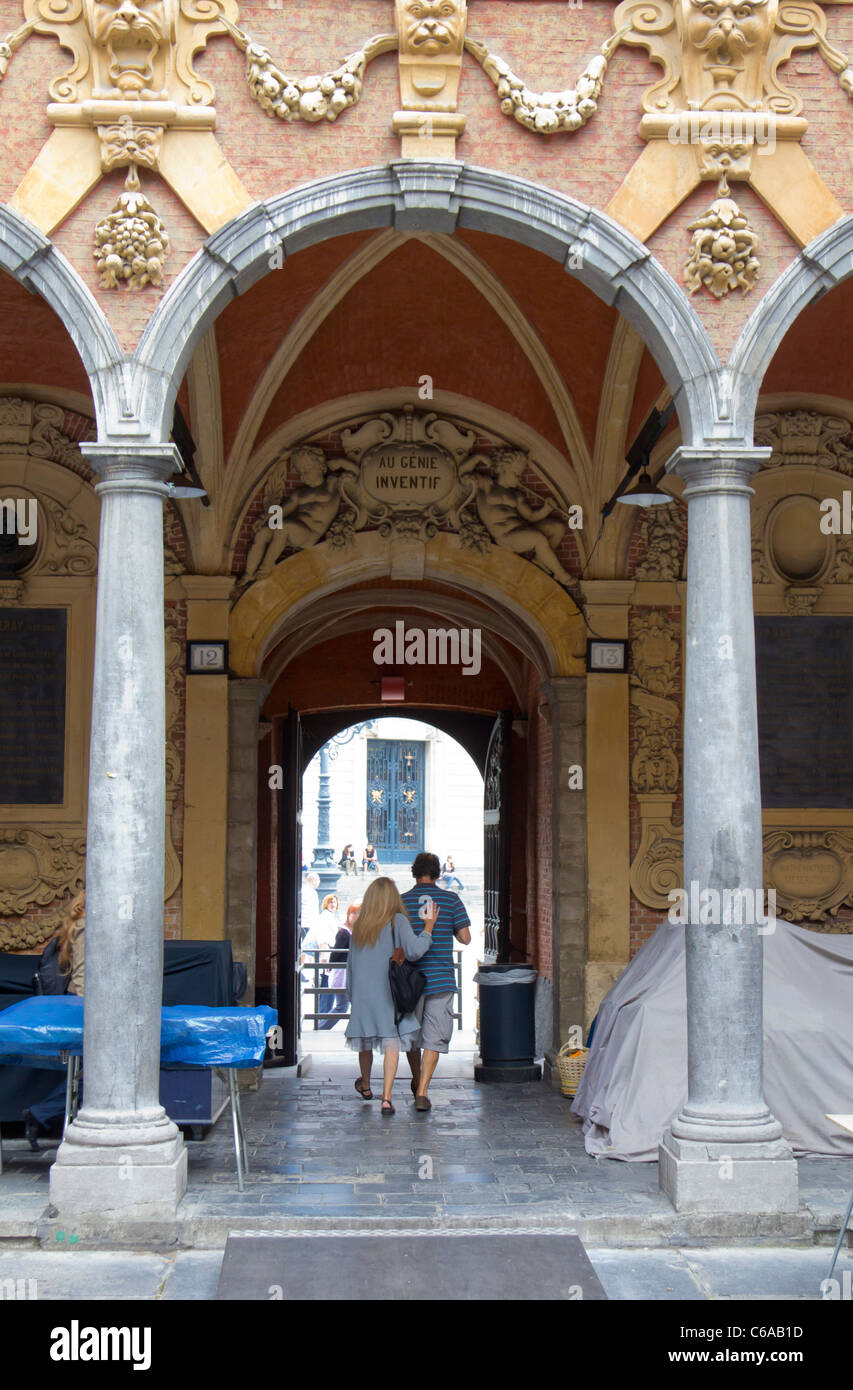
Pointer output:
x,y
50,1027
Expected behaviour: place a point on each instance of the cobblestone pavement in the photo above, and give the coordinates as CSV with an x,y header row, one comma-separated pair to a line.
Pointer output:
x,y
504,1155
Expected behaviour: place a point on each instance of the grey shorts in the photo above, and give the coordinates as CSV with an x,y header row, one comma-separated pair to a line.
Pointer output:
x,y
434,1013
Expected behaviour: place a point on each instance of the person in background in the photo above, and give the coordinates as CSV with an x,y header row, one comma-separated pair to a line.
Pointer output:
x,y
338,958
369,861
309,910
347,863
380,930
41,1117
448,875
321,937
435,1006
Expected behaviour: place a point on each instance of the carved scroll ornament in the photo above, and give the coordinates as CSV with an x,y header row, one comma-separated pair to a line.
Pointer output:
x,y
35,869
809,869
806,437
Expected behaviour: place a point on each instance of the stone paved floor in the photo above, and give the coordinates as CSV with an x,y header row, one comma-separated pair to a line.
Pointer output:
x,y
504,1155
766,1274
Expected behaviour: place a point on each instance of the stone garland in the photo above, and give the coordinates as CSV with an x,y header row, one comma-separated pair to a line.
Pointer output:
x,y
548,113
315,98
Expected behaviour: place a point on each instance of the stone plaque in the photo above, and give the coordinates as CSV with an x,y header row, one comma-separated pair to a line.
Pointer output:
x,y
407,475
805,711
32,706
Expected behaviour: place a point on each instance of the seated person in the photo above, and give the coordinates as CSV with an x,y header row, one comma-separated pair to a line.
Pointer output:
x,y
369,861
347,861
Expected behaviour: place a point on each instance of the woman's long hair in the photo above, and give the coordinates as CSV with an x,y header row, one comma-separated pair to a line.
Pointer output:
x,y
76,910
381,901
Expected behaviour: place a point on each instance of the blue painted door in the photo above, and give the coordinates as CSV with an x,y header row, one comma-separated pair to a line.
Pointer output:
x,y
395,799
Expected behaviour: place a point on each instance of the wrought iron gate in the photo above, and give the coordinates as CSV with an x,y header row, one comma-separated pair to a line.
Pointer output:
x,y
395,798
496,841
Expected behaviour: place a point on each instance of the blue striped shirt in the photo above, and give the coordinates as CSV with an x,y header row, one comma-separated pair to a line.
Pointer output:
x,y
437,963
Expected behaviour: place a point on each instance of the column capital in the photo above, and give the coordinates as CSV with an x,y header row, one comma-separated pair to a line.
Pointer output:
x,y
207,588
133,467
717,468
250,690
564,690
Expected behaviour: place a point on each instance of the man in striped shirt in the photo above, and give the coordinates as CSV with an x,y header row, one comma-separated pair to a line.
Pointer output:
x,y
435,1006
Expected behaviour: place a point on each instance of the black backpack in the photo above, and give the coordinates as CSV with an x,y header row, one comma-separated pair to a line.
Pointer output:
x,y
49,979
407,984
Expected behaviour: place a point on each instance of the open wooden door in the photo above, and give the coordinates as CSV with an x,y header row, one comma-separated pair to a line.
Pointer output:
x,y
496,837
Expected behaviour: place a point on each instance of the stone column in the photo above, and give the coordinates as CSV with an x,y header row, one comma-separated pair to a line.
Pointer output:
x,y
245,698
122,1158
724,1151
566,696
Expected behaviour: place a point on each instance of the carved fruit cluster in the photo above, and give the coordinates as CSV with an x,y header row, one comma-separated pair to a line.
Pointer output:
x,y
131,243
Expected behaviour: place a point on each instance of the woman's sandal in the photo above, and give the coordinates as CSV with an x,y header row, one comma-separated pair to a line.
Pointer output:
x,y
365,1095
387,1108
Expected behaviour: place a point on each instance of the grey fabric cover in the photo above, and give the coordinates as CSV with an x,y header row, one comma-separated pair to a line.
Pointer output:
x,y
635,1078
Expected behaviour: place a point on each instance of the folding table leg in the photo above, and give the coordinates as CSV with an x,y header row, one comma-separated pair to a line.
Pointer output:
x,y
244,1146
841,1234
235,1116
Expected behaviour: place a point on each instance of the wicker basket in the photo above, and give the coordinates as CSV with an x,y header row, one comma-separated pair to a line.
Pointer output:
x,y
571,1062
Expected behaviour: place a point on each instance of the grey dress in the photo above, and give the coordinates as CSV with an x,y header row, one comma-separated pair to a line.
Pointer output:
x,y
371,1024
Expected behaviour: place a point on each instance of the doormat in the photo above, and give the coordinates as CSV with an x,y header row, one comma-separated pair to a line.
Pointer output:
x,y
464,1265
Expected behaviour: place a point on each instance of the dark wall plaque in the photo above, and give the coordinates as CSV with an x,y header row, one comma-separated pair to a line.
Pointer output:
x,y
805,711
32,706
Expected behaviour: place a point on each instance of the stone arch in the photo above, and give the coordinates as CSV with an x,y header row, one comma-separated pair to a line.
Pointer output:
x,y
540,605
824,263
433,197
33,260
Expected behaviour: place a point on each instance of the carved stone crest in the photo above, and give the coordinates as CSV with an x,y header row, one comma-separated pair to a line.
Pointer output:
x,y
408,475
806,437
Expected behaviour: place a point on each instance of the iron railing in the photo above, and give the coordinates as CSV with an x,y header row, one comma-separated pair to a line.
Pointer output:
x,y
318,967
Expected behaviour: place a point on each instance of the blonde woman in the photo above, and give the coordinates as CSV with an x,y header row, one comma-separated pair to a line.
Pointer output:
x,y
72,946
381,927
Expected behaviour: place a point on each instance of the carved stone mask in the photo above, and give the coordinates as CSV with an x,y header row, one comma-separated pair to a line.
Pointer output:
x,y
434,27
724,46
132,32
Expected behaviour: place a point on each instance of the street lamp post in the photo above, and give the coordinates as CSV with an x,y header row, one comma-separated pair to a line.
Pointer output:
x,y
323,863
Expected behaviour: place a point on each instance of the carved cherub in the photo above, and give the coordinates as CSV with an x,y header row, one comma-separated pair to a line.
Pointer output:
x,y
509,519
305,517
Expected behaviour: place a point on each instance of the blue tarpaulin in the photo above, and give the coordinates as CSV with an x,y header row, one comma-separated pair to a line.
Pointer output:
x,y
192,1034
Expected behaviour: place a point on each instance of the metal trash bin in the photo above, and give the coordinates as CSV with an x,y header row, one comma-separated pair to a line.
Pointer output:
x,y
507,1026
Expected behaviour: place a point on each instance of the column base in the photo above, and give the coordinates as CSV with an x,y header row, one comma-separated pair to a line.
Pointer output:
x,y
138,1183
744,1177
